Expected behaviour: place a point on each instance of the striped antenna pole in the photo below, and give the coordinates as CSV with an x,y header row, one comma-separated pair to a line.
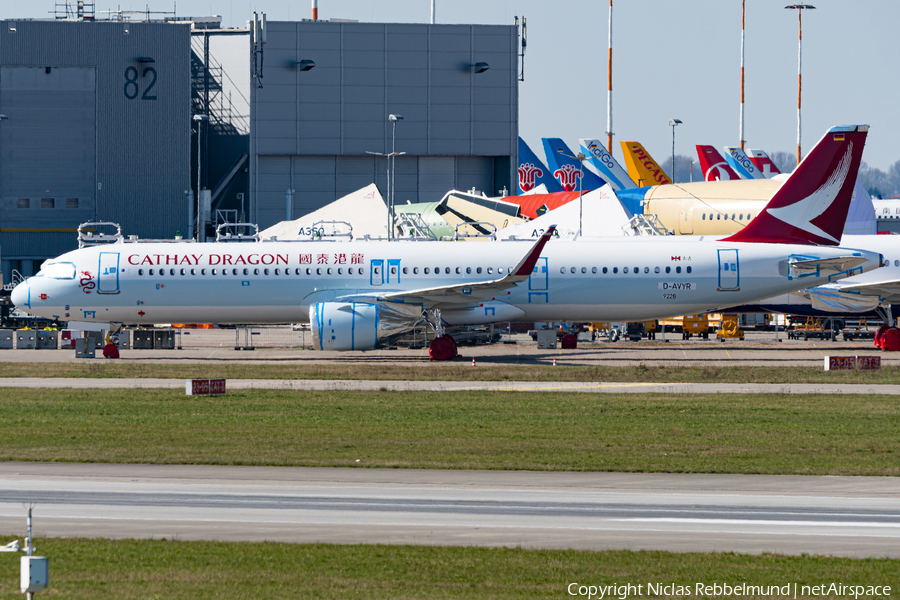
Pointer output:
x,y
315,10
609,129
799,8
741,133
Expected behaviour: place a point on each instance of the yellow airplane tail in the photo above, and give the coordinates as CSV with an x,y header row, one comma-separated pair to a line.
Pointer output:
x,y
641,166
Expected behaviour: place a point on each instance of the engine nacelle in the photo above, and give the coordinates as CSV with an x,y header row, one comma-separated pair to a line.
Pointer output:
x,y
359,325
344,325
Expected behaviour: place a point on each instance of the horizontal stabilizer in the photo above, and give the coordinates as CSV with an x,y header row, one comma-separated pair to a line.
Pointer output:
x,y
838,264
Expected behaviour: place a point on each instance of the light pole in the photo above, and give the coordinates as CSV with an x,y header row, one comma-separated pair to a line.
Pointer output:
x,y
800,8
392,158
580,158
673,123
199,119
390,171
609,128
741,132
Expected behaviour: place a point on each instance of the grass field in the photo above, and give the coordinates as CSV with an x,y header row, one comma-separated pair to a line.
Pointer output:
x,y
487,370
129,569
727,433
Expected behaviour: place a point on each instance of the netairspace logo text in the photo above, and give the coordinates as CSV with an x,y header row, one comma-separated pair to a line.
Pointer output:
x,y
790,590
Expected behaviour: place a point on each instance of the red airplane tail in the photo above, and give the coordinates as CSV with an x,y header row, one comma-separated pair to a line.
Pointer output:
x,y
811,207
714,167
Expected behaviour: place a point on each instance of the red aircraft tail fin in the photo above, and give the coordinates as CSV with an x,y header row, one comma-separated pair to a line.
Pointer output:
x,y
811,207
714,167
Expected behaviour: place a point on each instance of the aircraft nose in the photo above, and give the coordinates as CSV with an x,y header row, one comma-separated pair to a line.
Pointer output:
x,y
20,295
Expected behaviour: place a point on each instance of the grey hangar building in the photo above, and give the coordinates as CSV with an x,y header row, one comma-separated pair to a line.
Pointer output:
x,y
101,122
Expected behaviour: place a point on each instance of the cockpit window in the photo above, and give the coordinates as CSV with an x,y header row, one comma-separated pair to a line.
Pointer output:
x,y
58,270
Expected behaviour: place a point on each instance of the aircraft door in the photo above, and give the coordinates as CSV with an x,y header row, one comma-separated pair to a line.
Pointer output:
x,y
729,271
539,275
108,273
393,270
686,223
376,272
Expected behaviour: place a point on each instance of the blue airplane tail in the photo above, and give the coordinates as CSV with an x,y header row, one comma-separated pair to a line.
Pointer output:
x,y
532,172
606,165
566,169
741,163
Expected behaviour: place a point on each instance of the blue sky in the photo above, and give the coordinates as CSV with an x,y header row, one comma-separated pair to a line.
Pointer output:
x,y
670,59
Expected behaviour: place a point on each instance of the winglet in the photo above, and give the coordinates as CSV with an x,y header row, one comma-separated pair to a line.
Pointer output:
x,y
526,265
811,207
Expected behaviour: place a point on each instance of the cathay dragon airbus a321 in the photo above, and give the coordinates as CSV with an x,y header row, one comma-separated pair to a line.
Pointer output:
x,y
361,294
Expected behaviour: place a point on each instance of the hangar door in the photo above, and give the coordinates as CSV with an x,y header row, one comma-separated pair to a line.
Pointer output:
x,y
48,145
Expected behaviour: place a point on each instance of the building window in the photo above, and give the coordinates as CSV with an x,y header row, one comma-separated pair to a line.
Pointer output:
x,y
23,203
71,202
47,203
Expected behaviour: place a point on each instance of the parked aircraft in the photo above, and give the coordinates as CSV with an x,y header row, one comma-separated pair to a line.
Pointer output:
x,y
713,166
606,165
532,172
641,167
362,294
739,161
765,164
567,170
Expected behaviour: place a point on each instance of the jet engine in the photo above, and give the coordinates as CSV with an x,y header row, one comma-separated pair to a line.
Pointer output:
x,y
360,325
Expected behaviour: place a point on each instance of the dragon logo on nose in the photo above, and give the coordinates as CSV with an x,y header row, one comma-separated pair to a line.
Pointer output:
x,y
87,282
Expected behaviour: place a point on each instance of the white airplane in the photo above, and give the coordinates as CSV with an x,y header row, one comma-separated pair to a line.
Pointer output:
x,y
360,295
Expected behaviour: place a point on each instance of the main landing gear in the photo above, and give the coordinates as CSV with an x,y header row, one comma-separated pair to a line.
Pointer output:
x,y
443,346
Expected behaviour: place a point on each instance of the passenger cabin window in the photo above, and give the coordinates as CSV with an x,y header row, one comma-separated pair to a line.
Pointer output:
x,y
668,269
678,269
688,269
23,203
71,202
48,202
478,270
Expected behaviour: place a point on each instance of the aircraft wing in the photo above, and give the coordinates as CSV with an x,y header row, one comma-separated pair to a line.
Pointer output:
x,y
466,292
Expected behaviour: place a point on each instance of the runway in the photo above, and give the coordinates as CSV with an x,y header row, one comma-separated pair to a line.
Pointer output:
x,y
845,516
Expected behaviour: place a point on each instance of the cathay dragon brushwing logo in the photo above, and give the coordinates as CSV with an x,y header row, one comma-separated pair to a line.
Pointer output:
x,y
801,214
